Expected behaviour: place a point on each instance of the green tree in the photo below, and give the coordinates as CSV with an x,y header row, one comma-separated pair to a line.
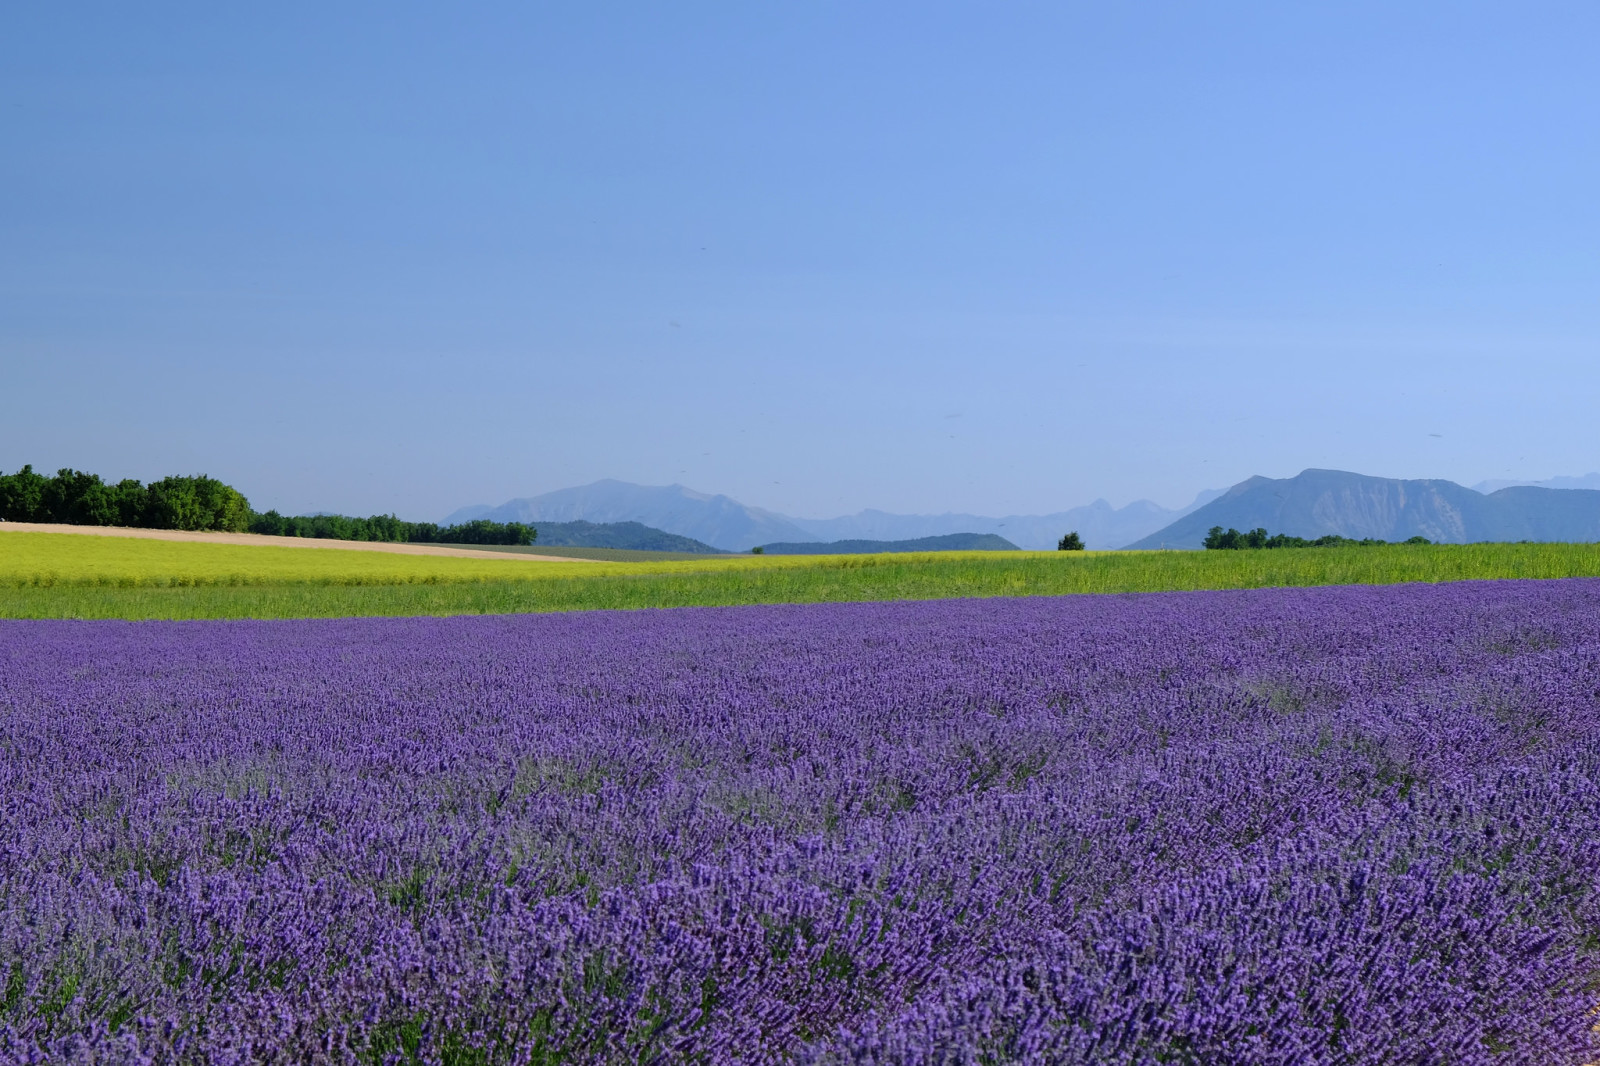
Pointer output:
x,y
1217,540
271,524
483,531
132,500
173,505
1070,543
1233,540
79,499
386,527
22,496
196,503
226,506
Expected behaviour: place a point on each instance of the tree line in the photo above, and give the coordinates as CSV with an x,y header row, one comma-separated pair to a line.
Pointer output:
x,y
80,499
1233,540
386,527
201,503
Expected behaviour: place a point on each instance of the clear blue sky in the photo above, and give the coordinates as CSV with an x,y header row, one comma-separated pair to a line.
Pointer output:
x,y
819,256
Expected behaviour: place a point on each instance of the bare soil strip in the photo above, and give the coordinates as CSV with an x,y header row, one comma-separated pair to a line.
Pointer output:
x,y
282,542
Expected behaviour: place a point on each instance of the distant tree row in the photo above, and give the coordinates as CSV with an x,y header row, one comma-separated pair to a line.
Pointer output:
x,y
80,499
204,503
386,527
1233,540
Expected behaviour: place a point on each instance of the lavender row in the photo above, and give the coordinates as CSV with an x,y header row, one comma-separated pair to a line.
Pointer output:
x,y
1281,826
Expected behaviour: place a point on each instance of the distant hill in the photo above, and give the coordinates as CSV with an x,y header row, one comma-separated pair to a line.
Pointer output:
x,y
1099,524
951,542
732,526
630,535
1587,481
715,520
1318,502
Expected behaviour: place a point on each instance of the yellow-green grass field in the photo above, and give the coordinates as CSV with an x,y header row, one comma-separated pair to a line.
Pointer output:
x,y
69,576
52,560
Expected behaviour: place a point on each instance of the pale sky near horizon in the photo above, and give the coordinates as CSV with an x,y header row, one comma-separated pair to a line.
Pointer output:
x,y
915,256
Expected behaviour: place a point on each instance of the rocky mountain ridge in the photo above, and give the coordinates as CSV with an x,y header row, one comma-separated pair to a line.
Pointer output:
x,y
1314,503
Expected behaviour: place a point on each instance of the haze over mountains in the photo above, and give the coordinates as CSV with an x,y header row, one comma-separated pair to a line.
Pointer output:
x,y
1099,524
1587,481
719,521
1311,504
1317,502
726,523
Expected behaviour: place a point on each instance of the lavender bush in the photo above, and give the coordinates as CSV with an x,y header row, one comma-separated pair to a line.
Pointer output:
x,y
1289,826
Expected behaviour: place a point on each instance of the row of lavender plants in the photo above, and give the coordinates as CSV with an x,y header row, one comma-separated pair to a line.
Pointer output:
x,y
1280,826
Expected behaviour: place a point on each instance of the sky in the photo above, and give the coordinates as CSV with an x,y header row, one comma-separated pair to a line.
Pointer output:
x,y
923,257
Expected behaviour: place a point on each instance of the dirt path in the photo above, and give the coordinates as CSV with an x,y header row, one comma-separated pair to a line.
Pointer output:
x,y
282,542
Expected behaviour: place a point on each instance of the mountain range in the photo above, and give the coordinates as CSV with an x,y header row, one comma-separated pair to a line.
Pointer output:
x,y
1317,502
1587,481
1099,524
719,521
1311,504
725,523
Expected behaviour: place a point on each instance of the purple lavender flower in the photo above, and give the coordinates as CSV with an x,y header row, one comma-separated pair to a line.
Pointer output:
x,y
1354,825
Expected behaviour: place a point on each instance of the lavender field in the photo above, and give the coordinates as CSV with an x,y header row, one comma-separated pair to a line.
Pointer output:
x,y
1339,825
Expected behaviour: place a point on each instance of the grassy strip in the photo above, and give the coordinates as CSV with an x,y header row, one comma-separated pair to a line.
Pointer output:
x,y
609,555
805,579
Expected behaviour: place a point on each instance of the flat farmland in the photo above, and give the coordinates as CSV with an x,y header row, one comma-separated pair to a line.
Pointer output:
x,y
67,576
162,560
1326,826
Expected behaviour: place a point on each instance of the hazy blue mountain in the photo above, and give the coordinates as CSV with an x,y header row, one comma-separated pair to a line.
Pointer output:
x,y
1099,524
715,520
467,514
1317,502
731,526
950,542
1587,481
630,535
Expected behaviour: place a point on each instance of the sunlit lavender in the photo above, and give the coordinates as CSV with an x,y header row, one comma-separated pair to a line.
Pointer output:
x,y
1284,826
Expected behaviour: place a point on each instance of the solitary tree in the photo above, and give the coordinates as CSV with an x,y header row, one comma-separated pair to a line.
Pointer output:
x,y
1070,543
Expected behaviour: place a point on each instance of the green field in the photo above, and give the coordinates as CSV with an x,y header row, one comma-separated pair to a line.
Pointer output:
x,y
70,576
